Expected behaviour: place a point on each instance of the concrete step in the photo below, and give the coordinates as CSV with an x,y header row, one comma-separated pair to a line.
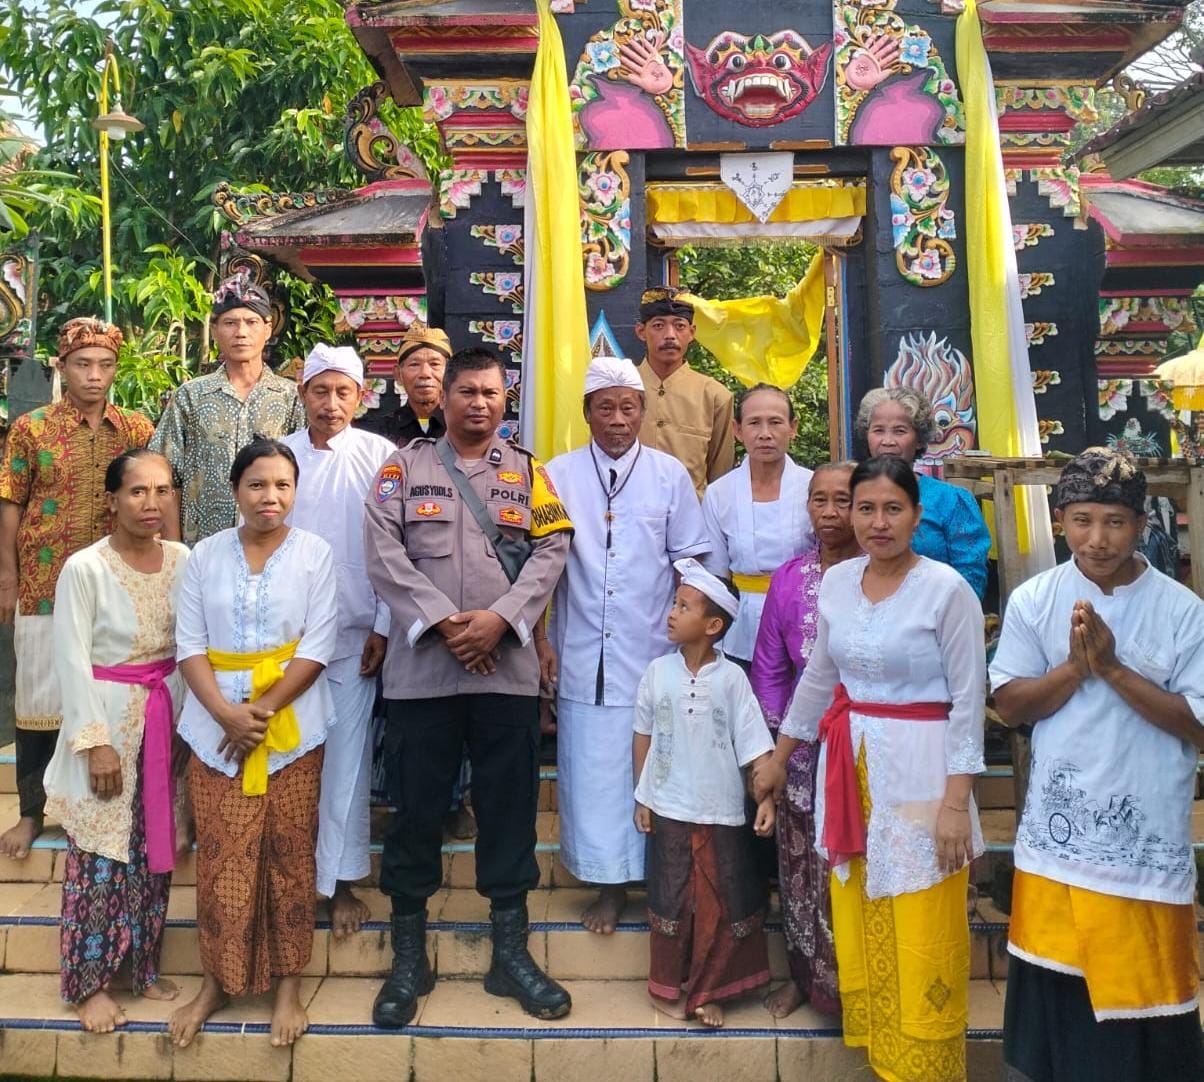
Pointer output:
x,y
457,939
460,1033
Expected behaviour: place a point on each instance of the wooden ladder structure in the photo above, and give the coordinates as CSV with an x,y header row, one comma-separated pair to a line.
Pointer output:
x,y
995,479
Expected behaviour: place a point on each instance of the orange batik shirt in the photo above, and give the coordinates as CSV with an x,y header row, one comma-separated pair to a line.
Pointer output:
x,y
54,468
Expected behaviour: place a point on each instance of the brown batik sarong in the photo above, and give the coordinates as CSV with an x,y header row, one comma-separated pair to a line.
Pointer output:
x,y
255,873
706,910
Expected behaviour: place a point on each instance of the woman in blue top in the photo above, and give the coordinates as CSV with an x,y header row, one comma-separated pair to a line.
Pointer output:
x,y
899,421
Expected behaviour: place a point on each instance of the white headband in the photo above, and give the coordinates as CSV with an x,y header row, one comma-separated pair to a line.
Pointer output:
x,y
694,574
324,358
612,372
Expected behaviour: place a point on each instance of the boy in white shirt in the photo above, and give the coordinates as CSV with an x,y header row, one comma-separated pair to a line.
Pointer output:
x,y
697,727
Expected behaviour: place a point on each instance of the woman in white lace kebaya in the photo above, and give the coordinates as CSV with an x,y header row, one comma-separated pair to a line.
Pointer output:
x,y
894,688
257,625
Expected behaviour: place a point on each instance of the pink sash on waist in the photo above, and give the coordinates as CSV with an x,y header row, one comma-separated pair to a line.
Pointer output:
x,y
158,788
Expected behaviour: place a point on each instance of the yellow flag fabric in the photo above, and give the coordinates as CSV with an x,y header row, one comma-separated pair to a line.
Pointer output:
x,y
557,346
997,421
765,339
1007,424
670,203
284,734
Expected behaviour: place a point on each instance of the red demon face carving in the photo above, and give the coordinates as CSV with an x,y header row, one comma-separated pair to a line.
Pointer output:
x,y
758,80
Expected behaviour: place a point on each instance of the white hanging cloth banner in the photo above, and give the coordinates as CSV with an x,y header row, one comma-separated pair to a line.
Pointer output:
x,y
760,181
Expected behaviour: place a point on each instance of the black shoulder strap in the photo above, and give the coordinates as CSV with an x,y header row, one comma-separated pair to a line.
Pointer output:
x,y
467,493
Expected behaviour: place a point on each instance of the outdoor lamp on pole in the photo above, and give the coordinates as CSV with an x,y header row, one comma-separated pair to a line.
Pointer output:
x,y
113,125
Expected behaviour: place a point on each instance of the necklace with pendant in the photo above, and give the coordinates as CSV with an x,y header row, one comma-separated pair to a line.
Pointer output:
x,y
610,496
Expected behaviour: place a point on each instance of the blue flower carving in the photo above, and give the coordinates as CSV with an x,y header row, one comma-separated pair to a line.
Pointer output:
x,y
914,50
603,55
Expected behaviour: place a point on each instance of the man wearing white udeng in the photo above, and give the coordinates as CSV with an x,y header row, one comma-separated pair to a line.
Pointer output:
x,y
635,511
338,464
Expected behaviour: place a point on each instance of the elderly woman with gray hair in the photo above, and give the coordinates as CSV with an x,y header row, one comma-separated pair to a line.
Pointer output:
x,y
899,421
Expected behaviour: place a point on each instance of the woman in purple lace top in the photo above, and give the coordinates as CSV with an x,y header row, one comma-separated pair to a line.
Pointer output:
x,y
784,640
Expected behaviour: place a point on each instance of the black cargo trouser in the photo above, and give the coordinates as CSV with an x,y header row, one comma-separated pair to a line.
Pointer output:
x,y
424,743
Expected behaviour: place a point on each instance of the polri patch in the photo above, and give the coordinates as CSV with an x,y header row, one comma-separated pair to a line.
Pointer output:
x,y
428,508
509,477
388,482
511,515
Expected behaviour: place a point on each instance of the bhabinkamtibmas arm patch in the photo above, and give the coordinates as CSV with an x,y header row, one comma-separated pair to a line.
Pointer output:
x,y
548,514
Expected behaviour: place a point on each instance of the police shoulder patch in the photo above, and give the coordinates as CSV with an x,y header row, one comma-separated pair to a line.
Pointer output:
x,y
388,481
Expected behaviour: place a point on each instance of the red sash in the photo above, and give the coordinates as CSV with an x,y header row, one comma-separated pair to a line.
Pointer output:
x,y
844,825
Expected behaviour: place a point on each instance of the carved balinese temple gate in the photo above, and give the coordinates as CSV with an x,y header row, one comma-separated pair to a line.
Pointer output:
x,y
712,123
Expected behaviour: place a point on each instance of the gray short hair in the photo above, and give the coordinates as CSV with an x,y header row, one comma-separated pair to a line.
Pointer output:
x,y
915,405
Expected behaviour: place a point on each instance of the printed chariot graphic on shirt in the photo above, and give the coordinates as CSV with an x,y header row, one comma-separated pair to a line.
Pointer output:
x,y
1070,825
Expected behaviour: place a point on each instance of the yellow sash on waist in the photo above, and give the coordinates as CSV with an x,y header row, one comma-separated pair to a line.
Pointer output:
x,y
751,584
284,734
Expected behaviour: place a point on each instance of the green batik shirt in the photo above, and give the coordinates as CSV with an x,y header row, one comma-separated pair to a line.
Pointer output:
x,y
204,426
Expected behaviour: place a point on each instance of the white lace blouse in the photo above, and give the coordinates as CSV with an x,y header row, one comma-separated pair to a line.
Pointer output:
x,y
924,643
223,606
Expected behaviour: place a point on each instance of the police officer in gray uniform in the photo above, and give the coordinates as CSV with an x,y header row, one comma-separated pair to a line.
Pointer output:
x,y
464,539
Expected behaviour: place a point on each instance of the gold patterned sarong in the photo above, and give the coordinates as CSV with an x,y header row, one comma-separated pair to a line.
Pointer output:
x,y
903,965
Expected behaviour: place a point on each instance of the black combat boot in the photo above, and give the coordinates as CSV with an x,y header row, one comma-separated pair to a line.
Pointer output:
x,y
411,977
513,972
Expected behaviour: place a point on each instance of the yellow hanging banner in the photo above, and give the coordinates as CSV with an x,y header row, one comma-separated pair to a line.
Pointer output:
x,y
556,321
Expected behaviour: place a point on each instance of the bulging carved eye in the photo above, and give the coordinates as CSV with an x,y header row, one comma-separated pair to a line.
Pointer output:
x,y
736,62
781,62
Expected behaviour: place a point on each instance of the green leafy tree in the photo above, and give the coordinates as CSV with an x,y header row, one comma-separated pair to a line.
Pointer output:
x,y
728,273
240,90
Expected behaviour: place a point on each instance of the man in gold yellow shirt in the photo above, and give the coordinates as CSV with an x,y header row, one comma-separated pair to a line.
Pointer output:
x,y
688,415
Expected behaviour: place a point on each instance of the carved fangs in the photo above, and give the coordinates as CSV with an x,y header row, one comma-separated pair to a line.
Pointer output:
x,y
735,90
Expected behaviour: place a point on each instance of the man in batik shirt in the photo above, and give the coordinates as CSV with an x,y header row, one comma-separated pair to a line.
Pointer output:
x,y
210,418
52,504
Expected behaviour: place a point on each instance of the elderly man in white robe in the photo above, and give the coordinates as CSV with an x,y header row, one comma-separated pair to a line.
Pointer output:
x,y
635,511
338,464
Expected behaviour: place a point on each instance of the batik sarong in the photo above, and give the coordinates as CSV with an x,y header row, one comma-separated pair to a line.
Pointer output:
x,y
706,910
256,873
803,887
111,912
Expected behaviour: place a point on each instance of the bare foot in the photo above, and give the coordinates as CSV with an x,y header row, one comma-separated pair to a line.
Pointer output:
x,y
672,1008
99,1013
784,1000
971,902
186,1021
460,824
603,916
15,842
289,1019
709,1014
347,912
162,990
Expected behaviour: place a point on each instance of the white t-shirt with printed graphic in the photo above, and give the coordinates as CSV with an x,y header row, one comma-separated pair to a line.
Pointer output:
x,y
1110,795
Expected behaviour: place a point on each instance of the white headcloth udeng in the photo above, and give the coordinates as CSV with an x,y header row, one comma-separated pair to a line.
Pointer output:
x,y
694,574
612,372
324,358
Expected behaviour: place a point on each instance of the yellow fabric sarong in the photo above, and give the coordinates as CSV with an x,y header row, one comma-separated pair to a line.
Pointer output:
x,y
284,734
751,584
1138,958
904,969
